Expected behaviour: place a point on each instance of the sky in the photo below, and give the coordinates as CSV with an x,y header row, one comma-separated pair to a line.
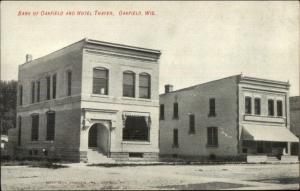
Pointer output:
x,y
199,41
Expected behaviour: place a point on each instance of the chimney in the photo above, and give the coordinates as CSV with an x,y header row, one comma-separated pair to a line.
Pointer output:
x,y
28,57
168,88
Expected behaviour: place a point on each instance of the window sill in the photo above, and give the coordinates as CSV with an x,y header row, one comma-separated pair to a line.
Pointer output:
x,y
100,95
136,142
175,118
192,132
212,146
175,146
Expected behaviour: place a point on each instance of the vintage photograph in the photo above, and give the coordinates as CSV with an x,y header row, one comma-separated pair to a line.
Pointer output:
x,y
150,95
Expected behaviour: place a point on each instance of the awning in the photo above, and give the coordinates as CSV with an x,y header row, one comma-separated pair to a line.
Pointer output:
x,y
268,133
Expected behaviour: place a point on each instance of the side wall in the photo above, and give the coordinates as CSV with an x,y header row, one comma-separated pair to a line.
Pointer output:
x,y
195,100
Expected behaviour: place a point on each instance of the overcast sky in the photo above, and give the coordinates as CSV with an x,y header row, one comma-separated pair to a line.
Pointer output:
x,y
200,41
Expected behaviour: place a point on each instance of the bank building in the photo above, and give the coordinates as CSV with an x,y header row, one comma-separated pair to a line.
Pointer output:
x,y
89,101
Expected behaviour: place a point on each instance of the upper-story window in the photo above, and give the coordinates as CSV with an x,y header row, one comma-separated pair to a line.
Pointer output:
x,y
38,97
48,87
144,85
54,86
175,111
162,112
20,95
34,127
192,123
69,83
128,84
271,107
100,81
257,106
248,105
32,91
279,108
212,107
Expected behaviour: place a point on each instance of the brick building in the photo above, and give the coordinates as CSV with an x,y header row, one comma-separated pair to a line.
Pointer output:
x,y
235,118
295,122
88,98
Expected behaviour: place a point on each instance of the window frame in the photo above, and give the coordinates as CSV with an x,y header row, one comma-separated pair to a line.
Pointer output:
x,y
69,83
106,79
50,135
271,108
212,107
175,110
54,85
128,72
20,94
32,92
38,89
257,106
161,112
192,121
248,106
148,87
279,110
35,135
48,87
212,137
175,138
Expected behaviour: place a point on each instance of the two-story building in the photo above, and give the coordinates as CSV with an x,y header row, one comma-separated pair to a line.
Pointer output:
x,y
233,118
87,99
295,123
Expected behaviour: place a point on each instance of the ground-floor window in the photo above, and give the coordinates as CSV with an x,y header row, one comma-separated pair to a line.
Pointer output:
x,y
212,136
136,129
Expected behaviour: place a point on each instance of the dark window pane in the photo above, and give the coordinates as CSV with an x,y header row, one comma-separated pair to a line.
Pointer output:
x,y
257,106
279,108
35,128
192,123
271,107
175,110
54,86
136,128
100,81
32,91
212,136
248,105
175,137
212,107
38,91
69,89
162,112
50,125
144,85
48,87
21,95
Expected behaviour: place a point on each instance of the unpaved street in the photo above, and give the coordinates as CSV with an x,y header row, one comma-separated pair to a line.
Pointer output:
x,y
81,176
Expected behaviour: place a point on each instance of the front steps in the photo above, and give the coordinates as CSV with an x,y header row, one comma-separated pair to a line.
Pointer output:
x,y
96,155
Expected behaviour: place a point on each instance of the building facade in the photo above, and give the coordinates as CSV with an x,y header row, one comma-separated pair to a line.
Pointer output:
x,y
295,122
87,98
234,118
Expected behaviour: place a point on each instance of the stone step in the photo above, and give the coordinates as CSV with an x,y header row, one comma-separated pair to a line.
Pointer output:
x,y
95,155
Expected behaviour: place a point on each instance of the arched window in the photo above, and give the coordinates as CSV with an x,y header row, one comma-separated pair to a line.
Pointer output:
x,y
100,81
128,84
145,85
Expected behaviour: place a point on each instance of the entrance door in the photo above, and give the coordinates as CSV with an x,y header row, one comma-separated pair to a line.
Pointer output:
x,y
93,136
260,147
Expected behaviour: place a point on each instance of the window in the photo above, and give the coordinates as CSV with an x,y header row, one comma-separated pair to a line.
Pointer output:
x,y
144,85
20,131
32,91
50,125
128,84
54,86
48,87
248,105
257,106
175,110
212,136
279,108
212,107
100,81
20,94
175,138
162,112
136,129
69,83
192,123
38,84
35,127
271,107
